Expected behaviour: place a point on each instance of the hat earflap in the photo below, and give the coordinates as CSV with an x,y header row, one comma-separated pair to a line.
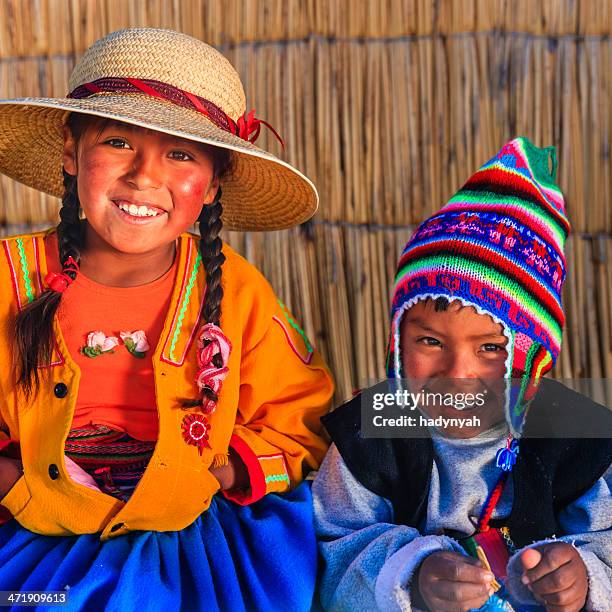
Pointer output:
x,y
530,362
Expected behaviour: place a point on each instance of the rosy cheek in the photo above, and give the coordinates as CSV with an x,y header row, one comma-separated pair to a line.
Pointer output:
x,y
93,172
194,186
89,182
95,163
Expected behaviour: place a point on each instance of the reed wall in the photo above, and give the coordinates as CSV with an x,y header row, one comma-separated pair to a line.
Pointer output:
x,y
388,106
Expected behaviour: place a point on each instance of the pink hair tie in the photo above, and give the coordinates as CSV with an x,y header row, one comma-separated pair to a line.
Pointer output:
x,y
59,282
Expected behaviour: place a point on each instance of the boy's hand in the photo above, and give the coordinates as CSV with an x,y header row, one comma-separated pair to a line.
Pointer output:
x,y
557,576
10,472
451,582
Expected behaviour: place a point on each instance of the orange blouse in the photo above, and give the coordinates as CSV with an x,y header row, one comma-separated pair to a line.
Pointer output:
x,y
117,388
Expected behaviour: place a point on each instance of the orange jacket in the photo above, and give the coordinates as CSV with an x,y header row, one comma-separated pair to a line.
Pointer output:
x,y
268,410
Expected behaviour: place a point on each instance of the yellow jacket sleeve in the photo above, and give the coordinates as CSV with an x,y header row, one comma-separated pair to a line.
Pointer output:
x,y
285,388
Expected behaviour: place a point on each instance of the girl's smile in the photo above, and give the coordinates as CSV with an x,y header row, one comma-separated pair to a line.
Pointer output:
x,y
139,189
138,208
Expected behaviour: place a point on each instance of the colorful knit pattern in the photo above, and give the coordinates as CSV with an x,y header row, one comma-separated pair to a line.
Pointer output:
x,y
498,246
112,458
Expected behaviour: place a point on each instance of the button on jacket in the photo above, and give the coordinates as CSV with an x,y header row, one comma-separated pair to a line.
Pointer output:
x,y
269,407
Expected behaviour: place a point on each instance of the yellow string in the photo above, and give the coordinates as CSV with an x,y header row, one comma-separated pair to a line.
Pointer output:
x,y
220,460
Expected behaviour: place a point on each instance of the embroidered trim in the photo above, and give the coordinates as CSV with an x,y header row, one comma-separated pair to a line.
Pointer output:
x,y
277,478
300,331
37,243
188,246
305,360
295,326
165,356
277,456
25,270
7,250
37,262
181,316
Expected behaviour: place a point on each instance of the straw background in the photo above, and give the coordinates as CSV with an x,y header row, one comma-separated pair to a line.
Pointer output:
x,y
388,106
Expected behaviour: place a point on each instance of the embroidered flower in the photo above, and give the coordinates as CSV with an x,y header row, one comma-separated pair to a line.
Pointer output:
x,y
98,343
195,430
135,342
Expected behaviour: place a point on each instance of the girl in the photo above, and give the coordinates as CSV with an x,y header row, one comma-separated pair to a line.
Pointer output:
x,y
153,368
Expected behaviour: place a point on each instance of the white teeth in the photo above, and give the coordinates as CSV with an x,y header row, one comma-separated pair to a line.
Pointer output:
x,y
138,211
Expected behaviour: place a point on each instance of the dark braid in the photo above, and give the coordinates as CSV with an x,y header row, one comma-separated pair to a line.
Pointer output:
x,y
34,338
69,230
212,259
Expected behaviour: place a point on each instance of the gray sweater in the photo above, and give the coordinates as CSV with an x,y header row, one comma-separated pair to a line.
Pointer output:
x,y
368,560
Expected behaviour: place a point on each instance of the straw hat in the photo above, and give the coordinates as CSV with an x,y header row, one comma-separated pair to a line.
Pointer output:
x,y
172,83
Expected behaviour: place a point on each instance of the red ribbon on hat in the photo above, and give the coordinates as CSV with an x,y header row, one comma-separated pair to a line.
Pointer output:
x,y
249,124
246,127
60,281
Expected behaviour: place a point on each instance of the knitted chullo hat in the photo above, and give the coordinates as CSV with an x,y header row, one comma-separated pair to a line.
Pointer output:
x,y
497,246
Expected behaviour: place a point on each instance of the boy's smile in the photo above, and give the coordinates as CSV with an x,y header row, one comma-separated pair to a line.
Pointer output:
x,y
456,351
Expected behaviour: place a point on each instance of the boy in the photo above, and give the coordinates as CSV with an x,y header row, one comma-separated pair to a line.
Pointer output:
x,y
477,300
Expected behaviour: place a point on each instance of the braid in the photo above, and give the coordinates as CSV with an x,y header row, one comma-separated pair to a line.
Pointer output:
x,y
212,258
69,240
34,338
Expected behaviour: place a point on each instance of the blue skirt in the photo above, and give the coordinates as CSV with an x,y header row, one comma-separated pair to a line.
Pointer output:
x,y
256,557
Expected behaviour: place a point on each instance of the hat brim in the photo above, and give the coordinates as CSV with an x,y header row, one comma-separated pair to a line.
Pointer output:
x,y
261,193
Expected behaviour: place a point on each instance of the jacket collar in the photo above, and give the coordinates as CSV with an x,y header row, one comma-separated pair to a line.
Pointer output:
x,y
28,267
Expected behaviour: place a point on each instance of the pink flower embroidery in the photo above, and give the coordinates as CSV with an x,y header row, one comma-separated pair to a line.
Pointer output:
x,y
98,343
135,342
